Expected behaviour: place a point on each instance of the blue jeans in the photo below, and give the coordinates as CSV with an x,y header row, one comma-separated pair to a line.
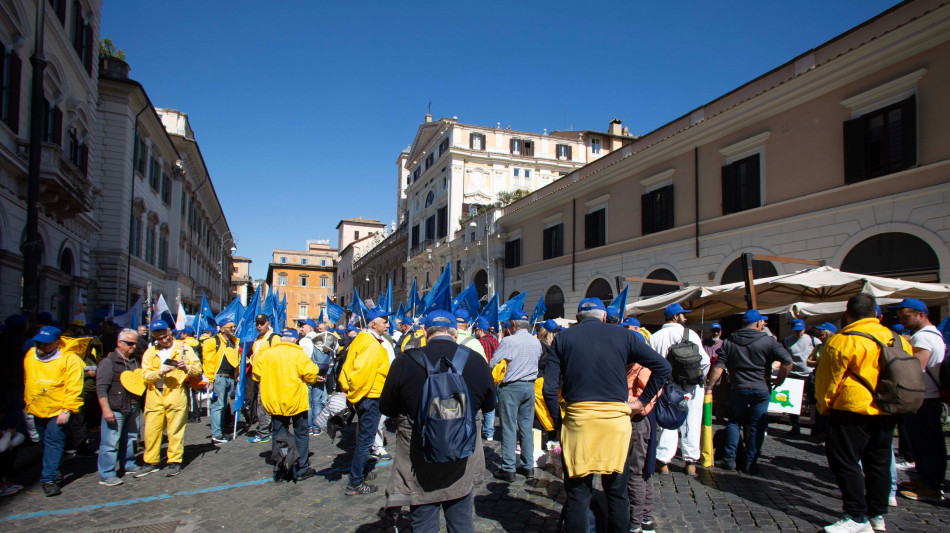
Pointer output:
x,y
117,443
458,516
223,385
488,425
516,409
368,411
749,407
318,399
54,441
298,424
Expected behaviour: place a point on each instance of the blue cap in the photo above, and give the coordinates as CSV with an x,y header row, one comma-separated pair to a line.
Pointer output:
x,y
827,326
226,322
482,323
673,310
189,330
376,312
752,316
715,325
461,314
898,328
310,322
630,321
798,325
912,303
590,304
613,314
47,334
157,325
351,327
551,325
518,314
877,311
440,318
289,332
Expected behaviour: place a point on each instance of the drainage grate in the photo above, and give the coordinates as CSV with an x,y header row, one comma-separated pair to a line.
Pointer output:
x,y
161,527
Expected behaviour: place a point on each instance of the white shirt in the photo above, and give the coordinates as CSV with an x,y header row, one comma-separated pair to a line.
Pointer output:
x,y
671,334
929,338
306,342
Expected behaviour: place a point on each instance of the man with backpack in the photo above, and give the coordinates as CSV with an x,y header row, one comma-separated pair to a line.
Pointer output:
x,y
322,347
860,424
266,338
683,349
924,430
220,362
748,354
429,472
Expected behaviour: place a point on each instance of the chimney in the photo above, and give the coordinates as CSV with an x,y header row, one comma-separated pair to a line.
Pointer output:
x,y
615,127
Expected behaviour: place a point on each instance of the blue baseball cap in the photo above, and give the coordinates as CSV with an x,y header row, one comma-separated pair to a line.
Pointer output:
x,y
551,325
827,326
351,327
798,325
189,330
289,332
752,316
613,314
376,312
898,328
461,314
673,310
590,304
226,322
912,303
518,314
715,325
440,318
482,323
630,321
47,334
310,322
157,325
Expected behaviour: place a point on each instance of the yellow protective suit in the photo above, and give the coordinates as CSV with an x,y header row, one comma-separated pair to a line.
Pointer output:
x,y
52,387
167,408
284,371
214,350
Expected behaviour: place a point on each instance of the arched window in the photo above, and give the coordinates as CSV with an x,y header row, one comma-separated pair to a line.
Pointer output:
x,y
481,284
893,255
600,288
554,301
760,269
655,289
430,198
66,261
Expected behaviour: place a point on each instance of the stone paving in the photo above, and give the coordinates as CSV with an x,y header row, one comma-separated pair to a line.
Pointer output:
x,y
230,489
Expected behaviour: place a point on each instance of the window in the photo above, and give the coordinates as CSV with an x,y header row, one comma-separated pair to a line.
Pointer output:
x,y
415,235
430,198
476,141
154,173
416,173
282,280
82,37
443,221
595,228
323,282
150,245
429,160
163,251
527,173
881,142
595,145
323,262
283,260
656,209
513,253
166,189
303,260
136,238
59,7
303,310
515,146
356,235
10,70
740,185
443,146
564,152
553,242
303,280
516,172
141,157
430,228
52,124
183,197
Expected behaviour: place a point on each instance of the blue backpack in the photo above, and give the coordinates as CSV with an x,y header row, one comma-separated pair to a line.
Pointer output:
x,y
445,420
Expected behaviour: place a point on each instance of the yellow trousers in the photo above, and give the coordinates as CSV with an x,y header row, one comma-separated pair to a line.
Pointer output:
x,y
165,411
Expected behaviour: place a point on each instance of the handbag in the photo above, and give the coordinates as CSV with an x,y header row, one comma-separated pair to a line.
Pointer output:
x,y
671,407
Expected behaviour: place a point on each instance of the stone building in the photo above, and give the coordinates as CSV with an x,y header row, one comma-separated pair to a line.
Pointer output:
x,y
305,277
355,237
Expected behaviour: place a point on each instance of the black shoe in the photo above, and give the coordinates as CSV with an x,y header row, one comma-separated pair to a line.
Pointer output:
x,y
751,470
362,488
526,472
648,527
726,464
173,469
307,474
795,431
51,489
504,475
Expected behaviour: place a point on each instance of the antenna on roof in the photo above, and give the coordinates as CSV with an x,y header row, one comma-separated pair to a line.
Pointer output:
x,y
430,106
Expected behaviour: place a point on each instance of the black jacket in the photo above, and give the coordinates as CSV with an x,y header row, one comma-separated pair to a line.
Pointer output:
x,y
108,384
748,355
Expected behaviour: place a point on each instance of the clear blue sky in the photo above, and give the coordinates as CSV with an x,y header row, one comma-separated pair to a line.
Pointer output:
x,y
301,108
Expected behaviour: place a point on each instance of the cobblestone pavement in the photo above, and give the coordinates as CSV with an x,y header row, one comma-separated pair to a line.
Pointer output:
x,y
230,489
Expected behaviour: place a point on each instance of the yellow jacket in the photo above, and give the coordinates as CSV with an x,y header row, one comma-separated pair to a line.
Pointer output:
x,y
365,369
284,371
213,351
835,387
52,387
152,365
261,344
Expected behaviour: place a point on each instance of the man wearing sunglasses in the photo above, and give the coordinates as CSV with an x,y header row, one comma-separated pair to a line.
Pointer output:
x,y
119,412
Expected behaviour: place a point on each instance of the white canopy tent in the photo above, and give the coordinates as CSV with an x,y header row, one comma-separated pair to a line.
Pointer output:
x,y
818,291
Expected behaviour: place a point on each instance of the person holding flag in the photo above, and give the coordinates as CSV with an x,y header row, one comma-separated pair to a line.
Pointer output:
x,y
220,366
266,338
189,339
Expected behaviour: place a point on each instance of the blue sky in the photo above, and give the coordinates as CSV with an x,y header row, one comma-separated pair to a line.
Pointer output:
x,y
301,108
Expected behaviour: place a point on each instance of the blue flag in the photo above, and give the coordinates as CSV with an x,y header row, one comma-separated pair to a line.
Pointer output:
x,y
504,312
539,311
204,314
490,312
388,299
620,302
414,303
282,314
334,311
247,329
468,300
400,313
321,320
440,297
357,307
234,311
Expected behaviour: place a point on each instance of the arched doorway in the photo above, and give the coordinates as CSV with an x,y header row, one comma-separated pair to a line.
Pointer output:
x,y
481,284
655,289
554,301
894,255
760,269
66,261
600,288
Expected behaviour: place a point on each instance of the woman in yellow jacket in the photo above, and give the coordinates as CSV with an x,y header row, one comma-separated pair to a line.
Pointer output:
x,y
166,402
52,392
284,371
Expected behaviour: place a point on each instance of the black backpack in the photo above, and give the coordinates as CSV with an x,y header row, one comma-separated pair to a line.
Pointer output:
x,y
900,383
686,361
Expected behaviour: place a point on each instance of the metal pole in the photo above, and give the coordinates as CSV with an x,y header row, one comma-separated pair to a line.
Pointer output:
x,y
748,278
31,247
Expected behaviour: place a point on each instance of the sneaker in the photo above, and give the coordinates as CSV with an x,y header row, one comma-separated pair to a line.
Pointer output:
x,y
648,526
381,454
257,438
504,475
110,481
906,465
488,439
317,432
51,489
795,431
144,470
9,489
847,525
526,472
877,523
307,474
219,440
369,476
921,494
173,469
892,500
635,527
662,468
362,488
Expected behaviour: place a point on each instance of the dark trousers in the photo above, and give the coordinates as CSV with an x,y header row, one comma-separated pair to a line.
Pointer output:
x,y
458,516
640,483
282,424
578,489
926,439
859,454
368,411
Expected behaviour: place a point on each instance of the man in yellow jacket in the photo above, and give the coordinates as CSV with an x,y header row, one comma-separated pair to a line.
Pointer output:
x,y
362,378
53,393
220,365
166,366
859,433
284,372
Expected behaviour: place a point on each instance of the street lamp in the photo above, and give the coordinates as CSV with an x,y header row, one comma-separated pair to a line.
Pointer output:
x,y
221,265
487,258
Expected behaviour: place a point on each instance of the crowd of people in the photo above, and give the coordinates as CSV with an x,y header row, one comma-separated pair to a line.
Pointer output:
x,y
609,398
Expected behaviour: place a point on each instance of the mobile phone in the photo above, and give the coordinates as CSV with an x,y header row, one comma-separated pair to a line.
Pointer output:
x,y
170,362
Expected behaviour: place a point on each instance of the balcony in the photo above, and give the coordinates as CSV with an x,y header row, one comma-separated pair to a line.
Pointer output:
x,y
421,247
65,192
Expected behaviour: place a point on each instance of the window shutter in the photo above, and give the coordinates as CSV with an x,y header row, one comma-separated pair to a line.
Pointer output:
x,y
646,213
570,154
909,132
753,184
471,141
61,11
511,146
16,67
854,150
84,157
588,230
729,189
57,126
87,51
667,206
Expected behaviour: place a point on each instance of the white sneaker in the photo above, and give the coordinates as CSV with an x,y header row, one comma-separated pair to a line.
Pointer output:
x,y
847,525
877,523
892,500
906,465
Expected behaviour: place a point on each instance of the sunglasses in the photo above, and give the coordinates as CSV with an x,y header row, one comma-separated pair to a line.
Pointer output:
x,y
130,343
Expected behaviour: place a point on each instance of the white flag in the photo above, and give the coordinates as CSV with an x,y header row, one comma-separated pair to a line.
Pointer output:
x,y
180,321
79,317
